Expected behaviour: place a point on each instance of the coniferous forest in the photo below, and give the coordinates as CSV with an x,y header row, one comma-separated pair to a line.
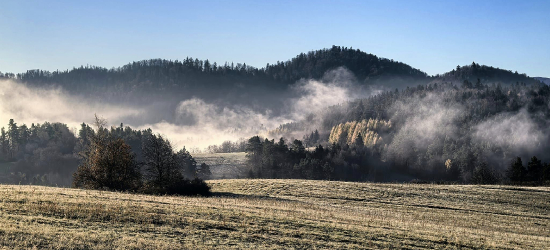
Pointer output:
x,y
392,122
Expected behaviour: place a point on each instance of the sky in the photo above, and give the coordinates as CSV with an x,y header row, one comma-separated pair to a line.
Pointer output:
x,y
434,36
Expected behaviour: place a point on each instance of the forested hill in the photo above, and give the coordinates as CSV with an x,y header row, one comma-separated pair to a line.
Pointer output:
x,y
365,67
485,74
239,83
162,74
431,132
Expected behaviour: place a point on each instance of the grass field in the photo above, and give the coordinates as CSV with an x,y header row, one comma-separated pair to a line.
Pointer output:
x,y
224,165
280,214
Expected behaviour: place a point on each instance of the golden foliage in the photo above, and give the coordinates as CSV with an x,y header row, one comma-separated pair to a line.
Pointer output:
x,y
368,129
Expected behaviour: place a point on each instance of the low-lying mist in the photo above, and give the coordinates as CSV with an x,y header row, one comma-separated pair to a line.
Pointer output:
x,y
192,123
433,127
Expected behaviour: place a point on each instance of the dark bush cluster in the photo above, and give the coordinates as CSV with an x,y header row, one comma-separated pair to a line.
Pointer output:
x,y
109,163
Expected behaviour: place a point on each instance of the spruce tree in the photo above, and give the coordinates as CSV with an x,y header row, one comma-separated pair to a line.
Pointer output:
x,y
516,172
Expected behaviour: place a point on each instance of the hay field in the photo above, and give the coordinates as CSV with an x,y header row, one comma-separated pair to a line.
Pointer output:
x,y
279,214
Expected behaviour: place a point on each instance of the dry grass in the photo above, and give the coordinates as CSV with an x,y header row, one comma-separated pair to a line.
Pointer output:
x,y
280,214
224,165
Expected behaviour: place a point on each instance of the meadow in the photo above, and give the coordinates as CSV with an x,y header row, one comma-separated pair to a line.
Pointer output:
x,y
279,214
224,165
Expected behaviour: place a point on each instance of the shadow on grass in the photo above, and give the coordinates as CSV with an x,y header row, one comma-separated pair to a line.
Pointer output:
x,y
512,188
249,196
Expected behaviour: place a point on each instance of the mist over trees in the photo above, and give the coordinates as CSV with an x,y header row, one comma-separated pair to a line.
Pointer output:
x,y
109,163
39,154
169,82
436,132
465,125
119,158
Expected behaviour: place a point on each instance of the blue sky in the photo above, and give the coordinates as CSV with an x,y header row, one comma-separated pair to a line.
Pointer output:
x,y
434,36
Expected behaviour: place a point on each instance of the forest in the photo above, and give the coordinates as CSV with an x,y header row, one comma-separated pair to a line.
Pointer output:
x,y
261,89
119,158
467,133
334,114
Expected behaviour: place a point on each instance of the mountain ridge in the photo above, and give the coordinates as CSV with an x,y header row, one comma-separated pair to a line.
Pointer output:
x,y
311,65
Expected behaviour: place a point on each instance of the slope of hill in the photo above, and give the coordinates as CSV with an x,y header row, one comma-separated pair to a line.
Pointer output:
x,y
155,78
366,67
485,74
545,80
224,165
159,76
189,73
169,82
277,214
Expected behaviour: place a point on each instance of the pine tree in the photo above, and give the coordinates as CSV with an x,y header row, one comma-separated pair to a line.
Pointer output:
x,y
187,163
516,172
534,170
483,174
13,139
4,142
254,151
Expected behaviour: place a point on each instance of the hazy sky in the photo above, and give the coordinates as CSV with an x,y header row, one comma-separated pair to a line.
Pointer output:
x,y
434,36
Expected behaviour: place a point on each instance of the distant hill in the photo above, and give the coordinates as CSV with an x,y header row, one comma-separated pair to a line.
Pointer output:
x,y
486,74
241,84
543,79
365,67
235,83
181,78
189,72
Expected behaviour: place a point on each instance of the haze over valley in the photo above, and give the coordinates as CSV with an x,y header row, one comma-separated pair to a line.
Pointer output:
x,y
274,124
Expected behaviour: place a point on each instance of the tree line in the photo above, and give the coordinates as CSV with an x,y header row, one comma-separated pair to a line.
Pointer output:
x,y
269,159
167,76
119,158
357,162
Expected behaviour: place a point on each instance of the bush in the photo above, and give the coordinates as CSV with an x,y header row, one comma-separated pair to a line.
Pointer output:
x,y
182,187
190,187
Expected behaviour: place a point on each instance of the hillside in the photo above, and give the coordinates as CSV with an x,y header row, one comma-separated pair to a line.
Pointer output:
x,y
158,78
485,74
367,68
279,214
545,80
189,73
166,83
163,77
